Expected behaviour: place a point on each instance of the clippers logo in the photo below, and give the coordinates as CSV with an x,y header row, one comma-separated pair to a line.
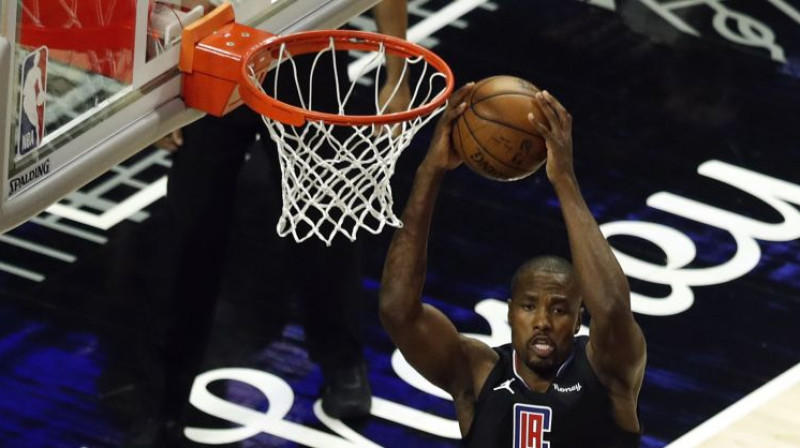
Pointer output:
x,y
530,424
33,86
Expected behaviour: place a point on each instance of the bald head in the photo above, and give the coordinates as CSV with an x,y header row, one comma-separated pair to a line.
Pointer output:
x,y
545,302
550,264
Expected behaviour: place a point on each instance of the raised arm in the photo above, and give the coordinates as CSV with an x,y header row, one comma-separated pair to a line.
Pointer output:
x,y
391,18
616,344
425,336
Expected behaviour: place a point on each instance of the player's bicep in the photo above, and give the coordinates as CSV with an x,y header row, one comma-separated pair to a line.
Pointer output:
x,y
617,350
432,345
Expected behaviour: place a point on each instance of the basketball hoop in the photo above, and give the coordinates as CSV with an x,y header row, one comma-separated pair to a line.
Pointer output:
x,y
336,166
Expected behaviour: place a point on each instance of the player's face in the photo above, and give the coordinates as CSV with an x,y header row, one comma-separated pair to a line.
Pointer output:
x,y
543,313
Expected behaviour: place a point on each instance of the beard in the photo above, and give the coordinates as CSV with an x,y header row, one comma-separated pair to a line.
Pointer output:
x,y
542,367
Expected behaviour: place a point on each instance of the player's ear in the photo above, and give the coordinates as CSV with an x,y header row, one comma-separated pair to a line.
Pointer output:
x,y
579,320
508,313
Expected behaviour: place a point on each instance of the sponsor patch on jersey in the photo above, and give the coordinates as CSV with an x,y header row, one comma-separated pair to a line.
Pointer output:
x,y
531,424
574,388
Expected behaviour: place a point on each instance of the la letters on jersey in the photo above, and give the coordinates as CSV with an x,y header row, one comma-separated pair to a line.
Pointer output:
x,y
531,423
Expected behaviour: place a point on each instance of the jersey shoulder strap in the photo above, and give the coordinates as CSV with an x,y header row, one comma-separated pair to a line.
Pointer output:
x,y
498,373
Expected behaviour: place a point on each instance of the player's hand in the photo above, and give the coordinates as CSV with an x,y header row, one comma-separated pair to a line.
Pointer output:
x,y
170,142
441,153
557,136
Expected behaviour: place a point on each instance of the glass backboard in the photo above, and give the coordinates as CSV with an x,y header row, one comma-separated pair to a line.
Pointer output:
x,y
88,83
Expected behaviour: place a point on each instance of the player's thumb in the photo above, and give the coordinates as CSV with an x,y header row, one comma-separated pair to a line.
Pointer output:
x,y
177,137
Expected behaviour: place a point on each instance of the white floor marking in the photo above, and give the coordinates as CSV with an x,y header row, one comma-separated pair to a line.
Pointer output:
x,y
787,9
117,214
37,248
20,272
738,410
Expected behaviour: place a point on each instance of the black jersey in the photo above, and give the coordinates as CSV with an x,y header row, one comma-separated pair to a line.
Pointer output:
x,y
574,412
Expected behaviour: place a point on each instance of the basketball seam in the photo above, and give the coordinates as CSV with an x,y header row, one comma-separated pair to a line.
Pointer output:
x,y
508,92
478,87
503,123
483,84
485,151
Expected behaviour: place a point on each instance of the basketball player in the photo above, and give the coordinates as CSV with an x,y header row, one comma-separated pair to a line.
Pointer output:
x,y
327,280
547,385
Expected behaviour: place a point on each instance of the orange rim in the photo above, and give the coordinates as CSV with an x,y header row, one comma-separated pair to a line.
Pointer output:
x,y
316,41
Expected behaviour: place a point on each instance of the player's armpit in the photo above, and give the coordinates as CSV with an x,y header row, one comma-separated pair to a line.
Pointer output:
x,y
482,360
617,351
433,347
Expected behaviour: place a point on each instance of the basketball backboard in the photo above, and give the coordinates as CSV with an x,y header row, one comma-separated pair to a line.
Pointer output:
x,y
87,83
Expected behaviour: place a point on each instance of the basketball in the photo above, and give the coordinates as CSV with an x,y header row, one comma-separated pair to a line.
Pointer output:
x,y
493,136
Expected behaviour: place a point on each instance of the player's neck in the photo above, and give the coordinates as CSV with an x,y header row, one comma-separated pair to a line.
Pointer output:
x,y
535,381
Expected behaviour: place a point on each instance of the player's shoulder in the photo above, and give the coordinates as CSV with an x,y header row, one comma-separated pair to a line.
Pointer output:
x,y
478,352
481,359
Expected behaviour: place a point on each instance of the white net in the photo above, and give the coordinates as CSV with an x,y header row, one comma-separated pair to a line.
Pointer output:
x,y
336,178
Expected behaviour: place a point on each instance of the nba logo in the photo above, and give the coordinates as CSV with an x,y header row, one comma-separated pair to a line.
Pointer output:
x,y
530,424
32,95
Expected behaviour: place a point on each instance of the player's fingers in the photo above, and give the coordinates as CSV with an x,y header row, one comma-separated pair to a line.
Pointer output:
x,y
540,127
453,112
177,137
461,94
170,142
546,108
460,109
563,115
455,107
